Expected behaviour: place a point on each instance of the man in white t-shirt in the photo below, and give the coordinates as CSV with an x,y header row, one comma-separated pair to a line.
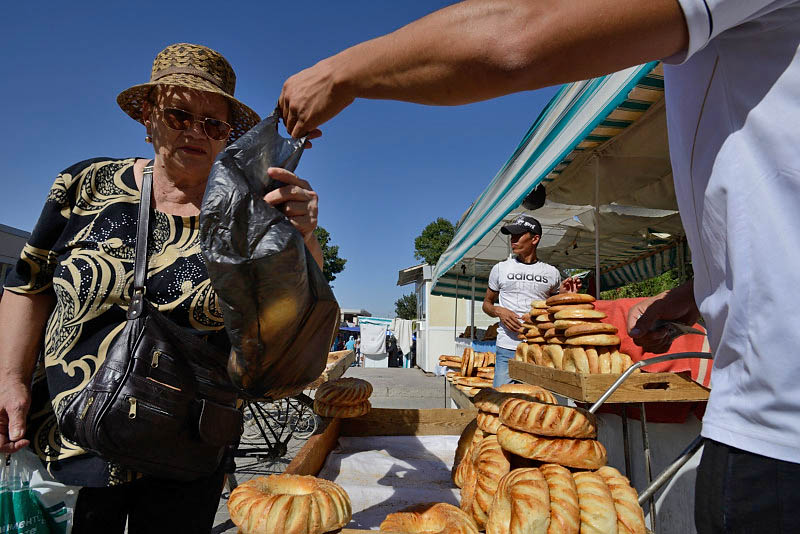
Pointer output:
x,y
733,106
514,284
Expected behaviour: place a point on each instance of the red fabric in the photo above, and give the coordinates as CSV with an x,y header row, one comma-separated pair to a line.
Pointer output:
x,y
660,412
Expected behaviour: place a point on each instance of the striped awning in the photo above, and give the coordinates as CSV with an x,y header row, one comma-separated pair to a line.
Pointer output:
x,y
600,149
647,266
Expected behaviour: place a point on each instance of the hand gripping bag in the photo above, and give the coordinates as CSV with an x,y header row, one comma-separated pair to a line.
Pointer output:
x,y
280,313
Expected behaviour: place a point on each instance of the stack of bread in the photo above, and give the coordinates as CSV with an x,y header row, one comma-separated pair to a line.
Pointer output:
x,y
343,398
475,370
567,333
531,470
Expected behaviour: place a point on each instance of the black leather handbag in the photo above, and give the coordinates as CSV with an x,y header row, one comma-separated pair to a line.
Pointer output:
x,y
161,403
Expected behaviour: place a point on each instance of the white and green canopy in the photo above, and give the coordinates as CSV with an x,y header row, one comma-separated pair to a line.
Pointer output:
x,y
600,149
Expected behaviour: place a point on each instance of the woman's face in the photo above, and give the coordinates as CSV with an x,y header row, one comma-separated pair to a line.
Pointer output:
x,y
187,154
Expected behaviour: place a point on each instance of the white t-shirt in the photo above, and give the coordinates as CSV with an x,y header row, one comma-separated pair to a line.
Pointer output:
x,y
519,284
733,112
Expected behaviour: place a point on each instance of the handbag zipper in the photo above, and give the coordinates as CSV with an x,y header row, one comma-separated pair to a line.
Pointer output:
x,y
86,407
154,361
134,403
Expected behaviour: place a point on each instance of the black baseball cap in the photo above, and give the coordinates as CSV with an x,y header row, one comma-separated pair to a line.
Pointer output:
x,y
522,224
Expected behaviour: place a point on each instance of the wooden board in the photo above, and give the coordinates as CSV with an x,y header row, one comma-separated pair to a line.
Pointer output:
x,y
639,387
393,422
462,400
338,363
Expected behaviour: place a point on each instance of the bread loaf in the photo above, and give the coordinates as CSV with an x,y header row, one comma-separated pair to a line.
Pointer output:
x,y
598,515
592,359
344,392
430,518
464,444
590,328
290,504
579,314
599,340
342,412
569,298
491,464
488,422
521,504
578,358
554,354
559,307
580,453
547,419
565,512
489,400
630,517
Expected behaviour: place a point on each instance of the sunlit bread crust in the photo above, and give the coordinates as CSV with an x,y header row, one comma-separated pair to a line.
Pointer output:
x,y
630,517
579,453
598,515
290,504
342,412
491,464
344,392
430,518
521,504
548,419
489,400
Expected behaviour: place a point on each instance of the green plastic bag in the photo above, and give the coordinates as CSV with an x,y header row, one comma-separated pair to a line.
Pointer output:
x,y
31,502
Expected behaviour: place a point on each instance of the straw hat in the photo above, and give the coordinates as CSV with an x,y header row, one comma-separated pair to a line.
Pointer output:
x,y
196,67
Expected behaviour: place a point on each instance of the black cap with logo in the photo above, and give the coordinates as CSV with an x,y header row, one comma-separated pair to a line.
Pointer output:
x,y
522,224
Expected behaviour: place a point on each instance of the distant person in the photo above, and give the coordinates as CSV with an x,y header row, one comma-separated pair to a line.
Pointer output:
x,y
351,344
515,283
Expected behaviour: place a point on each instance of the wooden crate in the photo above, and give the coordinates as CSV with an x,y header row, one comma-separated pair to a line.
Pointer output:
x,y
378,422
639,387
462,400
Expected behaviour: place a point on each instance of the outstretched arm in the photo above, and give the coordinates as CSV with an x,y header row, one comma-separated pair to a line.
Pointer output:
x,y
480,49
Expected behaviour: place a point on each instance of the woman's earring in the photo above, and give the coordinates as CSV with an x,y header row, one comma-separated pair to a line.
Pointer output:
x,y
148,139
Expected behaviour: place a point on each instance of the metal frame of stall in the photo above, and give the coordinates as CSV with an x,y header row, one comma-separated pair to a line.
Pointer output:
x,y
653,485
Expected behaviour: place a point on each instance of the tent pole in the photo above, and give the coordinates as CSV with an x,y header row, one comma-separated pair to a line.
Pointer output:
x,y
455,319
472,307
597,227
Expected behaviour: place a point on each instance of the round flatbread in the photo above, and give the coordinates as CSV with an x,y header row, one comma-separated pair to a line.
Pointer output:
x,y
593,360
467,362
590,328
544,327
599,340
544,318
570,298
604,359
559,307
539,305
578,357
563,324
580,314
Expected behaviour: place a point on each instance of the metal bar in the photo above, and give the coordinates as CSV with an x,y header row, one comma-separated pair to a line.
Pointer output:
x,y
626,441
647,464
670,471
472,307
596,227
643,363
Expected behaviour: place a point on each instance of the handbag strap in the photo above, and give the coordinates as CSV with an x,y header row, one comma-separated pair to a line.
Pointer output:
x,y
142,230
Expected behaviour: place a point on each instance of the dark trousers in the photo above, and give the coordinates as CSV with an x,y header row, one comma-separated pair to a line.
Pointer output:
x,y
150,506
738,492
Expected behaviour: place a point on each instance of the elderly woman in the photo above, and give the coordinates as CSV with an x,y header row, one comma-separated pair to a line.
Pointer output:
x,y
72,285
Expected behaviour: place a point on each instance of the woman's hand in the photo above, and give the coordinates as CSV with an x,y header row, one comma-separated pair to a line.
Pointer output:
x,y
15,400
296,200
674,305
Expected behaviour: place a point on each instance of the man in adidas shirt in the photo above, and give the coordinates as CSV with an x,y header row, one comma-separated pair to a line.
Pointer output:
x,y
516,282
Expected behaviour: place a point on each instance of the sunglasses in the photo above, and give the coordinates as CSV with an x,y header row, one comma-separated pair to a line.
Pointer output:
x,y
178,119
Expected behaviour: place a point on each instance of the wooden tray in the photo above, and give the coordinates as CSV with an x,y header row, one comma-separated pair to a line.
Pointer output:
x,y
462,400
378,422
639,387
338,363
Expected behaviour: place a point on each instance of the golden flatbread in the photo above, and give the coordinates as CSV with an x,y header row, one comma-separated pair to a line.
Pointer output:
x,y
580,314
570,298
599,340
590,328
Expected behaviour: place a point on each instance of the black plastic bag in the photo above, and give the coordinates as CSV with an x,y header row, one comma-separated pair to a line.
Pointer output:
x,y
280,313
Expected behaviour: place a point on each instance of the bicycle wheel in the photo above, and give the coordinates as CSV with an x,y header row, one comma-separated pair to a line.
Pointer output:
x,y
303,420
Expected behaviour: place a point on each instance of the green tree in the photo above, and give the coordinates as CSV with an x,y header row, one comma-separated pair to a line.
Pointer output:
x,y
332,264
406,306
433,240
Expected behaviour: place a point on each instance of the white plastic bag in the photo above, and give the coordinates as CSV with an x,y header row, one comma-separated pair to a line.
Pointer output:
x,y
31,502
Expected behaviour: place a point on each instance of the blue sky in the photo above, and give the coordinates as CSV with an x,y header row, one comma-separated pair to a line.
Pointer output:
x,y
383,170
